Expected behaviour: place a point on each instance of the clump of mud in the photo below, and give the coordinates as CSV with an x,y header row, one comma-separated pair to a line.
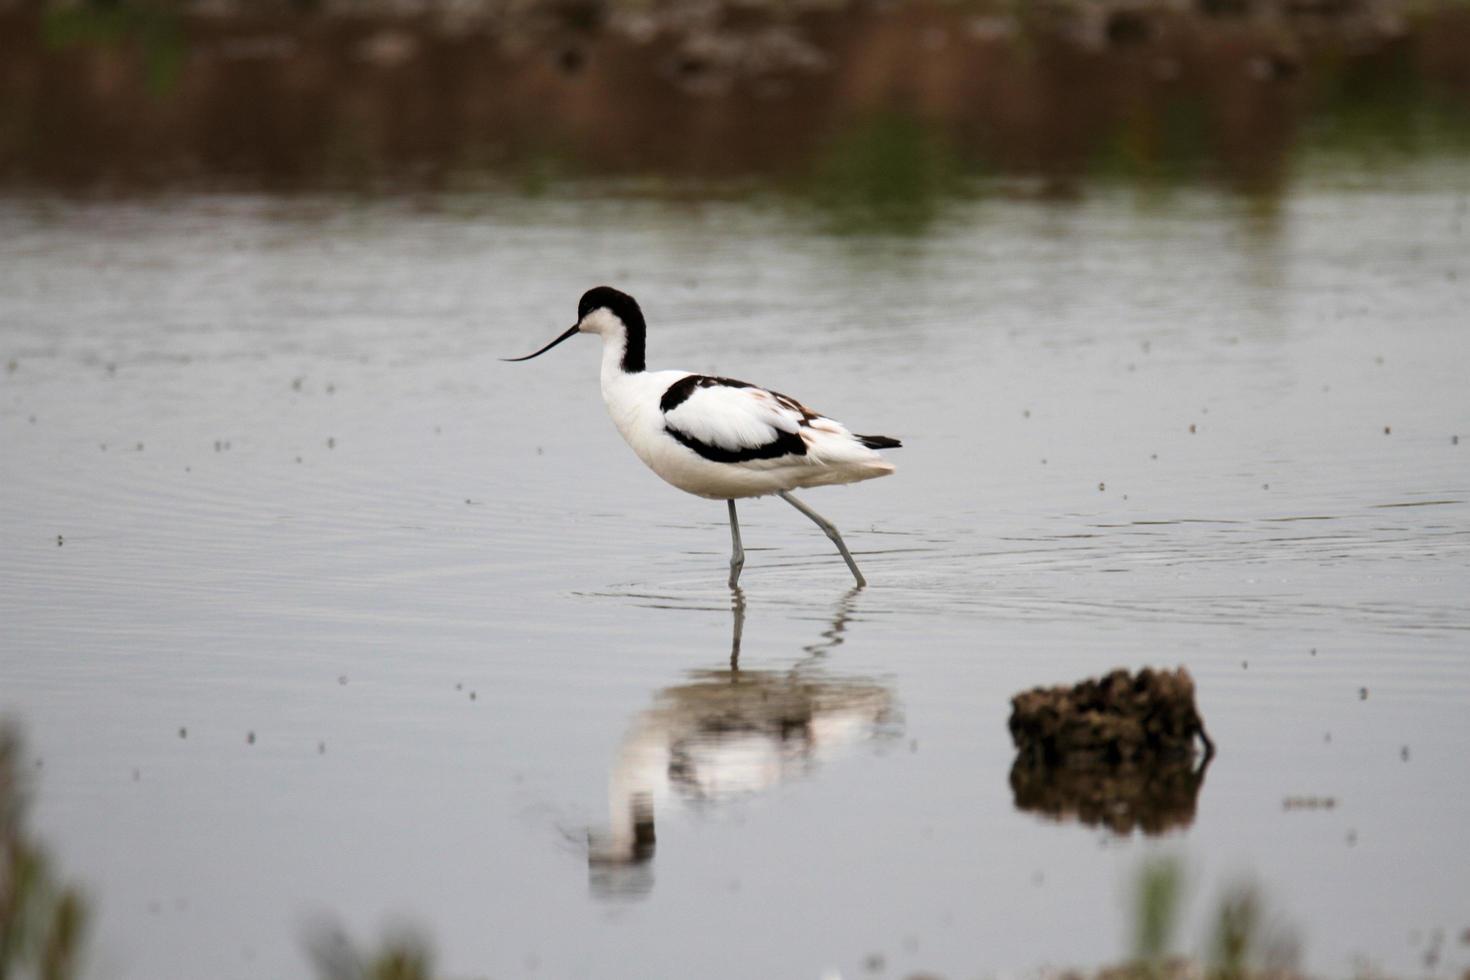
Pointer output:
x,y
1122,718
1118,751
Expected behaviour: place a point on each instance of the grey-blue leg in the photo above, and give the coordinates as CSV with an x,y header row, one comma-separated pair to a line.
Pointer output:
x,y
737,553
828,529
737,624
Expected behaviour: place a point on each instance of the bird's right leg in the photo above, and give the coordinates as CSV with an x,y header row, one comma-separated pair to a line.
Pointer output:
x,y
737,553
830,531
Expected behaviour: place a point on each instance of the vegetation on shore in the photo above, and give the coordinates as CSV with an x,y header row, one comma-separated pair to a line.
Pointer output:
x,y
882,106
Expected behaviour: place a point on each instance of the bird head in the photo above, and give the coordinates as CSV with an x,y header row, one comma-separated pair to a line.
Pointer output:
x,y
610,313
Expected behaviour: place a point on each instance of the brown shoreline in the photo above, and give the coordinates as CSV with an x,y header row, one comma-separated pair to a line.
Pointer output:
x,y
126,97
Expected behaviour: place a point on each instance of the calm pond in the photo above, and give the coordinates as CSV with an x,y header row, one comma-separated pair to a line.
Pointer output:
x,y
311,608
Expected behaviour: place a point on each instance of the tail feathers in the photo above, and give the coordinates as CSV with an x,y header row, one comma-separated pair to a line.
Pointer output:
x,y
879,442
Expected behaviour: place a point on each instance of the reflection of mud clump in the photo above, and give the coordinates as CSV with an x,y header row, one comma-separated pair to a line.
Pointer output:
x,y
1153,799
1118,751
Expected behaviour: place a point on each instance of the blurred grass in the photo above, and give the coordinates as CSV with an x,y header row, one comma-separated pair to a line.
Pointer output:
x,y
1243,940
43,922
1156,911
403,954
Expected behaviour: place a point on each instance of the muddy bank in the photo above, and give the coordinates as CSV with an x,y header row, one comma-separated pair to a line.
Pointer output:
x,y
857,100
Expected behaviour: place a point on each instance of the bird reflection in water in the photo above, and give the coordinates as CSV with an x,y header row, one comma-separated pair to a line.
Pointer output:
x,y
726,734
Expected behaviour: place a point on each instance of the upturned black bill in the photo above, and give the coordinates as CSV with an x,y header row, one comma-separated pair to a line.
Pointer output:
x,y
546,348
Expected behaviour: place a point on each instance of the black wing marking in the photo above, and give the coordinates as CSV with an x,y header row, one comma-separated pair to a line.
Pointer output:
x,y
786,444
783,442
678,392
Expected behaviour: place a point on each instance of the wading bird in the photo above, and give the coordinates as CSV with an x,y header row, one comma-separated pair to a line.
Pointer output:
x,y
716,437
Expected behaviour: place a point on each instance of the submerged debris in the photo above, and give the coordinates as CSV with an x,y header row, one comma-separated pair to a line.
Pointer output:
x,y
1117,752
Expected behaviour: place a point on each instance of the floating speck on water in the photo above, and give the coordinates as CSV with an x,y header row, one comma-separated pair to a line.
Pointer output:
x,y
1153,455
296,383
874,963
1377,358
473,696
1043,461
1327,737
59,541
1191,428
331,389
1454,440
111,368
1362,694
438,431
1265,486
331,442
188,469
321,748
1314,651
1388,430
540,451
1102,486
11,365
140,447
1404,753
183,732
298,459
32,419
1352,838
459,687
1245,665
1326,388
1025,413
137,775
1125,496
102,446
342,679
249,738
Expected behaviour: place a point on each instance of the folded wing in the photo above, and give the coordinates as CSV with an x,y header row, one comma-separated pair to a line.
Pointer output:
x,y
729,421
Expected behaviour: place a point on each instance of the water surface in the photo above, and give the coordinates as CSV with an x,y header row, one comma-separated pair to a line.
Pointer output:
x,y
311,606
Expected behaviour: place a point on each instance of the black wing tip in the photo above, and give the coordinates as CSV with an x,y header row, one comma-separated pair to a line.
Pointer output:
x,y
880,442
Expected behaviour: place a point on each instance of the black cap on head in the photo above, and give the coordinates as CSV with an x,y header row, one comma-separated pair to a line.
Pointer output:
x,y
620,303
625,308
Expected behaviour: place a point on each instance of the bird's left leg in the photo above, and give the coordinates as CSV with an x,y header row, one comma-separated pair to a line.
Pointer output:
x,y
830,531
737,553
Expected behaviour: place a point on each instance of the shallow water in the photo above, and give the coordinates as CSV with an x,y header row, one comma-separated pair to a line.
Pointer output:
x,y
312,607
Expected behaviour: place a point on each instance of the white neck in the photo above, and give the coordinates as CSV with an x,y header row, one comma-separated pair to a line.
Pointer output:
x,y
614,343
